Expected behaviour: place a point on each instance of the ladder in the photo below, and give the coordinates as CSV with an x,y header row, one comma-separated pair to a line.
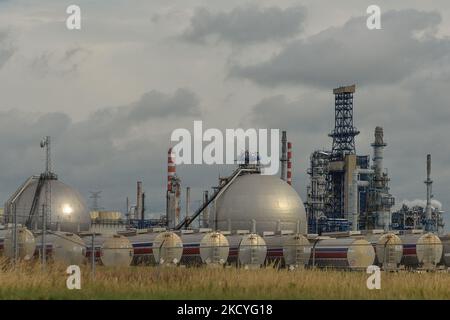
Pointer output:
x,y
35,203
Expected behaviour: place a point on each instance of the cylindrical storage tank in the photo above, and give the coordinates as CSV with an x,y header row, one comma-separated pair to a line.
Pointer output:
x,y
26,244
68,248
167,248
296,251
274,245
421,250
389,250
214,249
445,250
252,251
342,253
116,251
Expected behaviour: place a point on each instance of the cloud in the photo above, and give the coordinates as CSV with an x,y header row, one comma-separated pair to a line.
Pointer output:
x,y
406,43
6,48
293,114
60,62
86,153
246,24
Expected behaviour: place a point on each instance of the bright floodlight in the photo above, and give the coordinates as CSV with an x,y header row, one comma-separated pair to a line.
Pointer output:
x,y
67,209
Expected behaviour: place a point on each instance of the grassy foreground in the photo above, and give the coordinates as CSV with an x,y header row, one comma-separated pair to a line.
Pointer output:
x,y
29,282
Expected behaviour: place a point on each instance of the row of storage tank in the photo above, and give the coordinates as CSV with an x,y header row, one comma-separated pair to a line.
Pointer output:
x,y
250,250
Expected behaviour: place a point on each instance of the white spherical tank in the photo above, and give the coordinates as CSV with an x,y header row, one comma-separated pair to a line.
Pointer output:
x,y
269,201
116,251
296,251
252,250
214,248
26,244
68,208
68,248
167,248
389,250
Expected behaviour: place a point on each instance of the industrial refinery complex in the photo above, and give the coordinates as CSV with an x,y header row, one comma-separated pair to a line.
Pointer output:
x,y
248,219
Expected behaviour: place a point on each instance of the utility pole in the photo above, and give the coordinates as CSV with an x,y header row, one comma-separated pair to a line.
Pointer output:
x,y
43,248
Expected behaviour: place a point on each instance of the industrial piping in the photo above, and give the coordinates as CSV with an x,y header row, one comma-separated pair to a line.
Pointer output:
x,y
354,195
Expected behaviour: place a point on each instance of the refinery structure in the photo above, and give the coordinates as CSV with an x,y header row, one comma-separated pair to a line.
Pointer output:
x,y
247,219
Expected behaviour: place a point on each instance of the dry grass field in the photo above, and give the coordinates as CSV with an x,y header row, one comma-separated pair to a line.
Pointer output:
x,y
28,281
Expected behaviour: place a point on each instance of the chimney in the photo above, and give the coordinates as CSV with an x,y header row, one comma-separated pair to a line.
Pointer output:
x,y
289,164
283,159
138,213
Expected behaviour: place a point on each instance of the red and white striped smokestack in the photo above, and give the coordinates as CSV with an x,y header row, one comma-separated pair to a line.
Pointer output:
x,y
289,164
171,169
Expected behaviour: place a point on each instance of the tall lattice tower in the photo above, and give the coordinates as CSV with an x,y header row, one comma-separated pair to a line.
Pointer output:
x,y
344,132
342,153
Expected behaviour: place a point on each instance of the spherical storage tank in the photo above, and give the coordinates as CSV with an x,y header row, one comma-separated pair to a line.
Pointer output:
x,y
269,201
68,209
26,244
117,251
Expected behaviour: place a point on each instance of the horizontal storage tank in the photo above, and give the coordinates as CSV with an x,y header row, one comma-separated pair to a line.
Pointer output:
x,y
421,250
252,251
342,253
445,250
65,247
388,249
214,249
167,248
296,251
68,248
26,244
116,251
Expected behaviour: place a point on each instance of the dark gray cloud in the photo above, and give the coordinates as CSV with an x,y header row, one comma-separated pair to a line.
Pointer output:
x,y
246,25
89,154
59,63
406,43
414,115
6,47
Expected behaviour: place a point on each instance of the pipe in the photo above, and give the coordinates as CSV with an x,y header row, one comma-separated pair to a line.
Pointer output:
x,y
354,195
205,211
188,200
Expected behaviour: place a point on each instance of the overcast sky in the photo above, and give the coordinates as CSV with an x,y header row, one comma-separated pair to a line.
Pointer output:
x,y
111,93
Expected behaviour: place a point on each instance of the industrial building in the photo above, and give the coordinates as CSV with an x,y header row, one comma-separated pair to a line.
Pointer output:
x,y
348,191
346,221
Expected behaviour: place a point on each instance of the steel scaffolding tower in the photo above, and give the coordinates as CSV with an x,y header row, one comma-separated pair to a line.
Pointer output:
x,y
344,132
343,136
